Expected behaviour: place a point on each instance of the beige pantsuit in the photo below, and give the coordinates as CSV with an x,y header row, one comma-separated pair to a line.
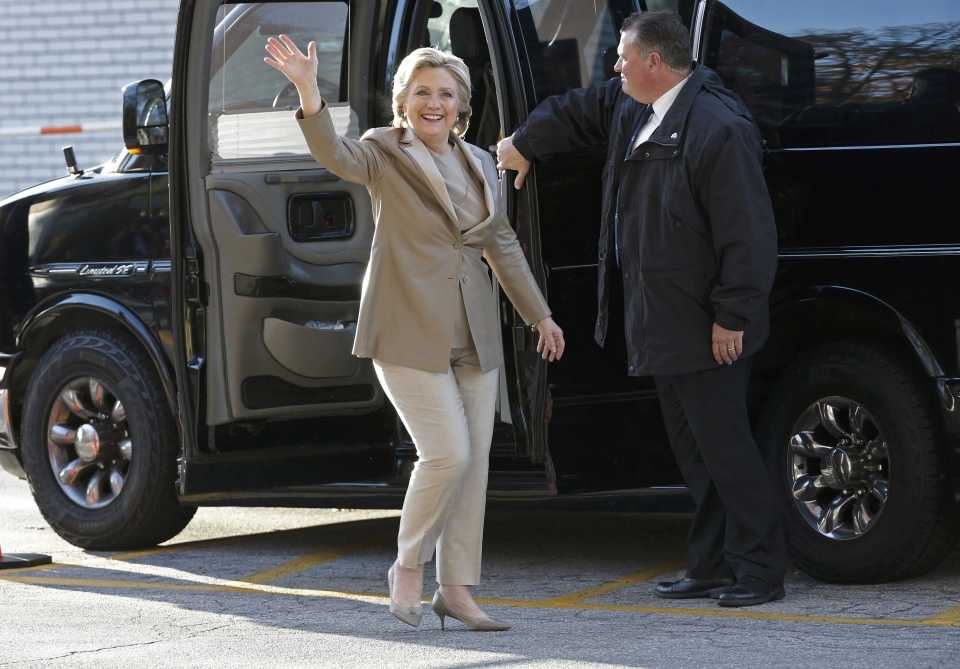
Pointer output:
x,y
450,417
429,321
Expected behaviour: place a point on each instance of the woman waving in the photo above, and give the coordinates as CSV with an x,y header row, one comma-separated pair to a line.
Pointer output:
x,y
428,316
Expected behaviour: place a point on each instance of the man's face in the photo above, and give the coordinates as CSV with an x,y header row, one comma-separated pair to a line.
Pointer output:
x,y
636,71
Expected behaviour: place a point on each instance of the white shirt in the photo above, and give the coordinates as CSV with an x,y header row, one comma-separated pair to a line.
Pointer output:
x,y
660,108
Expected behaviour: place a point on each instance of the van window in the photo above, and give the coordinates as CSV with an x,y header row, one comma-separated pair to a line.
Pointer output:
x,y
457,27
861,72
250,103
571,43
439,30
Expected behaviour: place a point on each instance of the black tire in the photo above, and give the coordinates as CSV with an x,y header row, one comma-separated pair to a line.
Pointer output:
x,y
145,512
918,524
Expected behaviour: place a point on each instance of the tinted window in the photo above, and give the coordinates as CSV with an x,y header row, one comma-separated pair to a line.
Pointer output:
x,y
250,102
438,27
571,43
861,72
456,26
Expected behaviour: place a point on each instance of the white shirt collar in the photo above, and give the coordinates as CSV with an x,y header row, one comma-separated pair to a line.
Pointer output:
x,y
662,104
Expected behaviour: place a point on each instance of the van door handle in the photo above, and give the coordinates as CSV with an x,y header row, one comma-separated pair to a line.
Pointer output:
x,y
318,217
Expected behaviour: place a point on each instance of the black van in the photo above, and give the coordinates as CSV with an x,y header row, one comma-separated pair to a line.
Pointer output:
x,y
175,325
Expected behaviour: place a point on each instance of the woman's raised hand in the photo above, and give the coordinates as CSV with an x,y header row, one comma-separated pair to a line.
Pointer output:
x,y
551,344
287,58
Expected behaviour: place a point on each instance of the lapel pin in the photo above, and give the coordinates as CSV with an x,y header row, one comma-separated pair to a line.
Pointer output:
x,y
674,136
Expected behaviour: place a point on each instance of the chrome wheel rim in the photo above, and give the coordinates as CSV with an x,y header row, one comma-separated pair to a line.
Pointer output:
x,y
839,468
88,443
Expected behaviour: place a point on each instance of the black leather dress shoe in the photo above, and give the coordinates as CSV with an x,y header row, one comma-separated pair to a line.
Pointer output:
x,y
715,594
691,588
750,592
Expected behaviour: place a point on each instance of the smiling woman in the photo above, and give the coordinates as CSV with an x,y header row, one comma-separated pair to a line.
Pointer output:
x,y
428,315
431,92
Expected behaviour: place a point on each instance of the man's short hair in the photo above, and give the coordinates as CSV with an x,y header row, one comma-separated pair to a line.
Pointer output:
x,y
663,32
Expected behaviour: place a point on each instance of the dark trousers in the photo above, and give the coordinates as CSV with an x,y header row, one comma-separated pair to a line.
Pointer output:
x,y
736,527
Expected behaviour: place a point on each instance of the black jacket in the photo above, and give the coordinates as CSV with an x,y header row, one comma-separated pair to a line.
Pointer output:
x,y
698,242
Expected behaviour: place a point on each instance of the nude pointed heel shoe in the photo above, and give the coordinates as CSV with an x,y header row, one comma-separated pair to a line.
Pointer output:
x,y
483,623
412,615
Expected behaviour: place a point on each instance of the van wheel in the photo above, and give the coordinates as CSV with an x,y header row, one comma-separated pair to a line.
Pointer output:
x,y
855,448
100,446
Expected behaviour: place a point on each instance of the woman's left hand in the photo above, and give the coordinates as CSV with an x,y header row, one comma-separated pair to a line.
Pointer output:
x,y
550,344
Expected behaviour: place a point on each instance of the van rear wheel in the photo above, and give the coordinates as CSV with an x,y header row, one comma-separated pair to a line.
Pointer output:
x,y
856,453
100,446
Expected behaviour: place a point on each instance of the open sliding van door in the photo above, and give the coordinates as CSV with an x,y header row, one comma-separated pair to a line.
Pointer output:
x,y
271,251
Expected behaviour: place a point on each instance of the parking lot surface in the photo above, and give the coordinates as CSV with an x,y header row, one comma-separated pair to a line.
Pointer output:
x,y
306,588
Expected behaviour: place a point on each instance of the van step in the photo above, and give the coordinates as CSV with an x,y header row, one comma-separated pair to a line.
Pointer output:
x,y
521,482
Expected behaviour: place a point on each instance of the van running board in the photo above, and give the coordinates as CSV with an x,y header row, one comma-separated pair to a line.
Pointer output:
x,y
520,482
383,496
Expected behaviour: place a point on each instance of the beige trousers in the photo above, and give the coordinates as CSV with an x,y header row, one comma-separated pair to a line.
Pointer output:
x,y
450,417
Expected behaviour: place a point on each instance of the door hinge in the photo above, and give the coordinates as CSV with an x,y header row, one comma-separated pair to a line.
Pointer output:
x,y
194,288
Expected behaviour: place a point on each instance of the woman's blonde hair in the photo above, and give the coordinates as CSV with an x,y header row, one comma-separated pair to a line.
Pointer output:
x,y
429,57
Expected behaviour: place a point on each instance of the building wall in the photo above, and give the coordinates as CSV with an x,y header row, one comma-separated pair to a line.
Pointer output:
x,y
64,62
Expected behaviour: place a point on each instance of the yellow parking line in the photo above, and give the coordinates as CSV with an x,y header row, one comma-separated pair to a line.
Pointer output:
x,y
718,612
146,552
297,565
263,577
225,586
619,584
947,619
118,583
39,567
337,527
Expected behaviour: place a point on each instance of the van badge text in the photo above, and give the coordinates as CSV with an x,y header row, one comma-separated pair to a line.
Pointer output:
x,y
125,269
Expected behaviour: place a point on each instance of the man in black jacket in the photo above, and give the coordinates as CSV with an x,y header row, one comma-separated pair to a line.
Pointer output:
x,y
688,248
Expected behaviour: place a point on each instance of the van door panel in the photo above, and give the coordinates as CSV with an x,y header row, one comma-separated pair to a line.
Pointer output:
x,y
282,244
288,308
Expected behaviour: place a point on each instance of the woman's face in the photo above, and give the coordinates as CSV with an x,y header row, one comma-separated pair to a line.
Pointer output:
x,y
432,104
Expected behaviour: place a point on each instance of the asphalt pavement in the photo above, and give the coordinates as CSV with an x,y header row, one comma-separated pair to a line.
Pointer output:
x,y
244,587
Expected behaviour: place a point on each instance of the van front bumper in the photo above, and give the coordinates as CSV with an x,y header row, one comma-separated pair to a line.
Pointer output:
x,y
6,429
7,440
10,463
948,390
8,454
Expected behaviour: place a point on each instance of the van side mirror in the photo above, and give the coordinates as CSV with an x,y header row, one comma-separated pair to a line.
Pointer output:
x,y
145,117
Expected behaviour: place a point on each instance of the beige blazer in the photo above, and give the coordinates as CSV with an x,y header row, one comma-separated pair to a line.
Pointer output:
x,y
419,258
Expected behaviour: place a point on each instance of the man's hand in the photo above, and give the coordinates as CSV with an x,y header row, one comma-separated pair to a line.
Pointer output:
x,y
727,345
508,158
